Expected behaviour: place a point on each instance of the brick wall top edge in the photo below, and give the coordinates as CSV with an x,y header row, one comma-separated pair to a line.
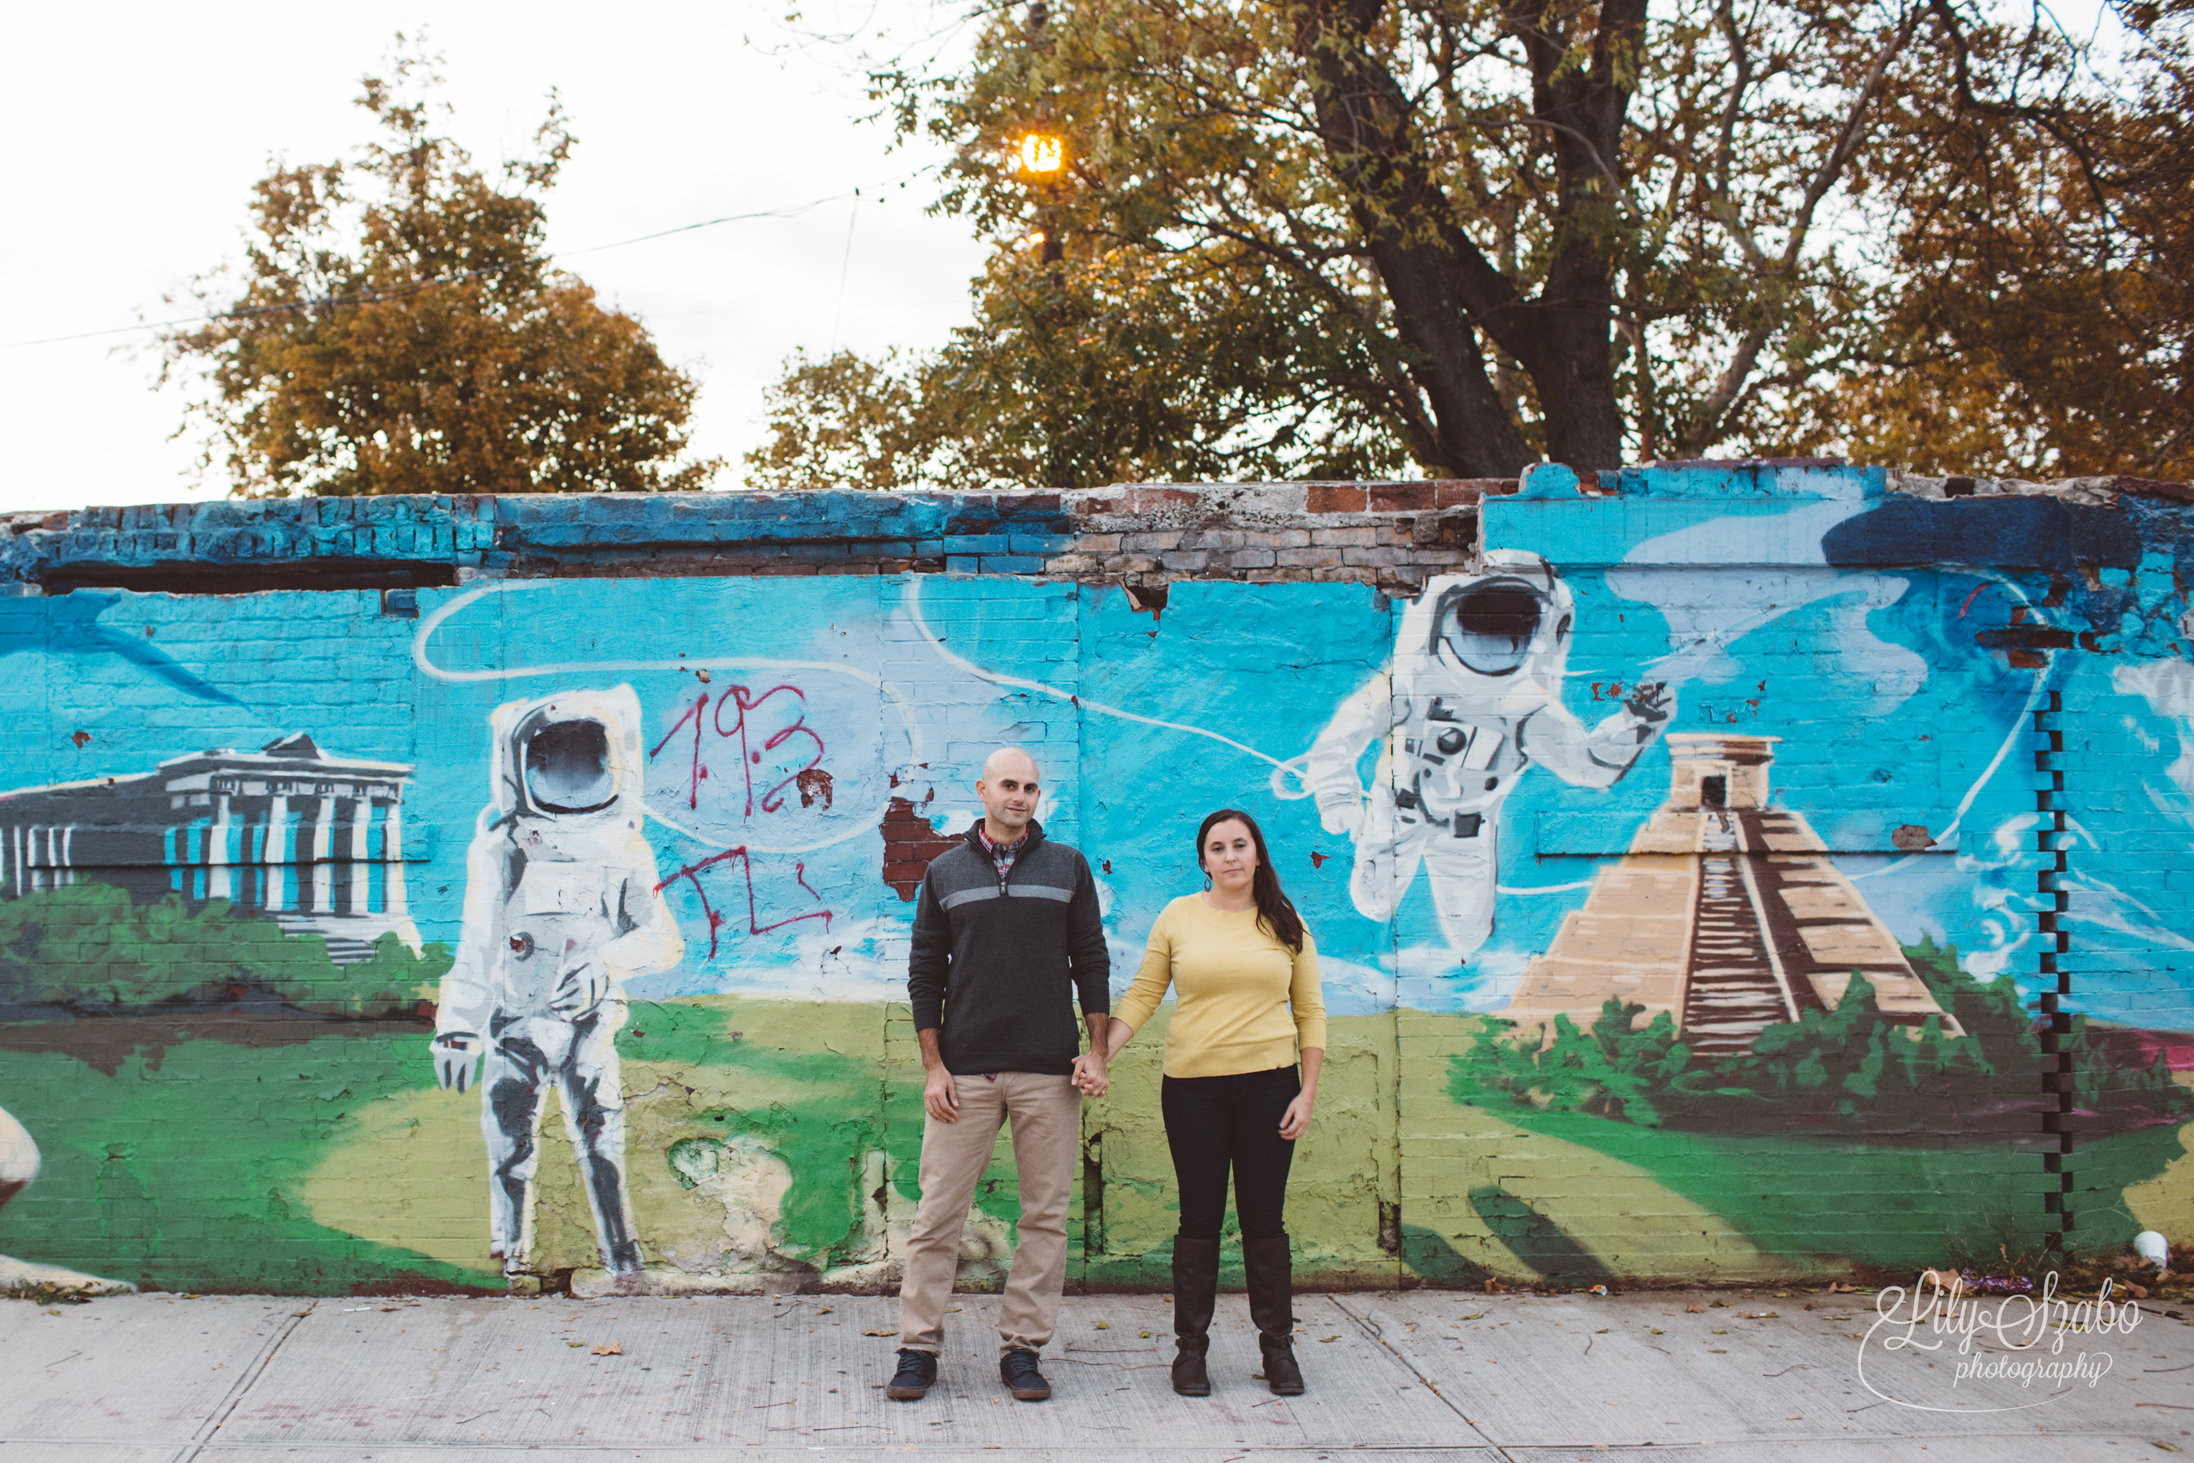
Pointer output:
x,y
534,531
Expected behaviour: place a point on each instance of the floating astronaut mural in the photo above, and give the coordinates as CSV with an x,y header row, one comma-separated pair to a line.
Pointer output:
x,y
561,907
1472,699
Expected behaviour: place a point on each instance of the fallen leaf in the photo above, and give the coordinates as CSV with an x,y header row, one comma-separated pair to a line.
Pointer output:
x,y
2138,1292
1761,1315
1104,1325
1716,1351
1694,1309
1837,1287
613,1349
824,1311
879,1333
1656,1330
1601,1332
1718,1305
1329,1338
575,1344
1144,1334
1494,1287
1475,1316
1721,1333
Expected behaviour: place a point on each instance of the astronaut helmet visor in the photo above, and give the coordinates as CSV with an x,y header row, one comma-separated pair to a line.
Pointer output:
x,y
1489,628
567,767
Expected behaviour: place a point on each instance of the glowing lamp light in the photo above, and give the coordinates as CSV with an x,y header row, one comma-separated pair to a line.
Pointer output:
x,y
1042,153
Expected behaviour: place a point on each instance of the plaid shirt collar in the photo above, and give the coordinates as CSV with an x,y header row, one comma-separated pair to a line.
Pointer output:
x,y
1002,855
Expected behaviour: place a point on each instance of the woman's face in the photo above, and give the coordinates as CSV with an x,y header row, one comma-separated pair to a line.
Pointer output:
x,y
1230,856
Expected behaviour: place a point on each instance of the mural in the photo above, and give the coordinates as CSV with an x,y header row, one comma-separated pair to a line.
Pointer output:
x,y
1847,929
1473,698
562,906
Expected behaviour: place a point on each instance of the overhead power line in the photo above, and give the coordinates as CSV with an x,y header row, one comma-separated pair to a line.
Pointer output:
x,y
416,286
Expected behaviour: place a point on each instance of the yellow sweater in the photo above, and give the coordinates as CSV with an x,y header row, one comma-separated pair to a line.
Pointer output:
x,y
1243,1002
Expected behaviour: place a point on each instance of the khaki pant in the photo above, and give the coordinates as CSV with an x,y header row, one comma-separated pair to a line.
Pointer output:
x,y
1047,1130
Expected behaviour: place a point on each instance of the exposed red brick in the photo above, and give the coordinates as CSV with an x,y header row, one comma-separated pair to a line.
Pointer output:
x,y
1399,497
909,844
1336,498
1458,492
1088,506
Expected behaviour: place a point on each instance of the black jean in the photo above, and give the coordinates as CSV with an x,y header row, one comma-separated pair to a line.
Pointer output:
x,y
1219,1124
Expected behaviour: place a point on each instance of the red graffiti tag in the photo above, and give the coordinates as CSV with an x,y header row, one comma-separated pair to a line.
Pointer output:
x,y
716,920
743,700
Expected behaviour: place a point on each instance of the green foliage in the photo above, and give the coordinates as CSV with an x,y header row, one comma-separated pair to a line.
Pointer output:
x,y
1612,1071
88,948
399,330
1298,240
2036,312
1850,1070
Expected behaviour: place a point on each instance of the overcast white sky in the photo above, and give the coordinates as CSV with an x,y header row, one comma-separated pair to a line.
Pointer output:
x,y
136,132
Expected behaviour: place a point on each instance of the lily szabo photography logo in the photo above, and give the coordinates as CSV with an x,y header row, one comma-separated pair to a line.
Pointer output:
x,y
1940,1347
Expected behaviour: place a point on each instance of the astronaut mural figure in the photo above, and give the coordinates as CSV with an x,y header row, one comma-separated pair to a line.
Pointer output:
x,y
1473,698
561,907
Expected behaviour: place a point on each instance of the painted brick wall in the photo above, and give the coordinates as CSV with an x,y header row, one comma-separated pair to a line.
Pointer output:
x,y
1864,798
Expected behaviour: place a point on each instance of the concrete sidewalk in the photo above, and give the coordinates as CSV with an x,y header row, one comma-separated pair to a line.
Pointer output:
x,y
1409,1377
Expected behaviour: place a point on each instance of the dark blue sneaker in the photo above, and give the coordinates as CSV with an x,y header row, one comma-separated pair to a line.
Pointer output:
x,y
1017,1369
916,1375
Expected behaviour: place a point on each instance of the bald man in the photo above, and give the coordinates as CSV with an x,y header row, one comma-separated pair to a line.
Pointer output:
x,y
1007,933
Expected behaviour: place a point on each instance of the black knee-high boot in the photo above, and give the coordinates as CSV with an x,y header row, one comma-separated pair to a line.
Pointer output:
x,y
1270,1274
1195,1292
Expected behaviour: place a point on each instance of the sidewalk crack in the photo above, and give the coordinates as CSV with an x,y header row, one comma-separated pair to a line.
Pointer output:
x,y
211,1427
1377,1333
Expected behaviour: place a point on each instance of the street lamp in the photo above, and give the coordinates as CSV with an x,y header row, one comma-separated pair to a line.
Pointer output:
x,y
1043,155
1043,162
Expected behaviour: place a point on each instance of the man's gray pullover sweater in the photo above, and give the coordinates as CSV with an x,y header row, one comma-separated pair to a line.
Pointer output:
x,y
998,973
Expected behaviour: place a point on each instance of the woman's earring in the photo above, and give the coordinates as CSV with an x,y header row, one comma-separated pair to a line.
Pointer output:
x,y
1207,880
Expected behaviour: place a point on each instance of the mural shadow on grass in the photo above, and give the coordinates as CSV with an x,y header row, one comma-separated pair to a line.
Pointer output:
x,y
1537,1240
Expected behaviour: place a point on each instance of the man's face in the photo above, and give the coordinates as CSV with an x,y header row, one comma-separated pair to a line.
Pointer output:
x,y
1009,792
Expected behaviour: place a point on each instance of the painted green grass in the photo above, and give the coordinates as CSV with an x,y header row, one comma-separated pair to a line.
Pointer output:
x,y
1897,1207
173,1170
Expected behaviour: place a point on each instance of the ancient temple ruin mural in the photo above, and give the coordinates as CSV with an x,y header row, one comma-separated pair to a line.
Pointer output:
x,y
312,841
1728,913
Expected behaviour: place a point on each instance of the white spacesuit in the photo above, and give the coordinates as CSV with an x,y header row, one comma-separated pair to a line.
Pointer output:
x,y
561,906
1473,697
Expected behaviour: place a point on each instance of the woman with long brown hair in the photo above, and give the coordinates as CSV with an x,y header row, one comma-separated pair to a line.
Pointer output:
x,y
1244,973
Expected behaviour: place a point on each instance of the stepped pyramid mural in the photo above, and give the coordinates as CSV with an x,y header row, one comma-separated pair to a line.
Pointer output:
x,y
1726,913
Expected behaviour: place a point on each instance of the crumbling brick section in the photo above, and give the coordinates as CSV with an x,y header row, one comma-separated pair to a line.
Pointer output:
x,y
909,844
2059,1096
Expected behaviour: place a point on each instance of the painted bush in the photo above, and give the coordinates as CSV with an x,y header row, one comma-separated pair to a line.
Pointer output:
x,y
1750,873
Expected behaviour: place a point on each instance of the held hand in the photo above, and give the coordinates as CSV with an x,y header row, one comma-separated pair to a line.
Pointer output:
x,y
455,1055
1296,1120
1090,1078
940,1098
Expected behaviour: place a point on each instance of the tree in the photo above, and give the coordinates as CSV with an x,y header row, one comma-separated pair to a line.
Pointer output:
x,y
2041,319
401,330
1464,233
